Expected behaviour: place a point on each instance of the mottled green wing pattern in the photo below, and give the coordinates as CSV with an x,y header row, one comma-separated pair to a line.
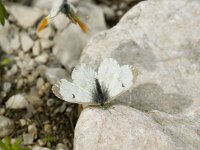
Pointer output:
x,y
3,13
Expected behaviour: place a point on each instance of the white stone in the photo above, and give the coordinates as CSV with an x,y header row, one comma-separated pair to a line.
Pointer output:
x,y
124,128
41,59
33,130
60,146
25,16
6,126
17,102
15,43
163,45
39,148
61,22
28,139
36,48
45,43
26,42
6,86
46,33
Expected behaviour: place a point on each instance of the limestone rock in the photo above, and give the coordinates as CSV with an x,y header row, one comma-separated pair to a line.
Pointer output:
x,y
122,128
25,16
158,39
17,102
6,126
26,41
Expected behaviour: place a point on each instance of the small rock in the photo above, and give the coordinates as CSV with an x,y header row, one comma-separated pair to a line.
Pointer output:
x,y
36,48
46,33
45,43
2,111
6,86
41,142
28,139
41,59
23,122
50,102
33,130
61,22
26,41
55,74
25,16
61,146
47,128
13,70
34,100
17,102
40,82
6,126
15,43
39,148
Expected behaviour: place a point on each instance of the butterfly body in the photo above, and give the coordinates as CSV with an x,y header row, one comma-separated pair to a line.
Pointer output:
x,y
95,88
62,6
100,94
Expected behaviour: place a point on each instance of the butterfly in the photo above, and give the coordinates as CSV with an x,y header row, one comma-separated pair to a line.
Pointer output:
x,y
95,88
65,8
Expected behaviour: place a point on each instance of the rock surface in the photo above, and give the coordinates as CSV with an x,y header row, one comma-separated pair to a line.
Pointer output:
x,y
6,126
158,39
17,102
25,16
122,128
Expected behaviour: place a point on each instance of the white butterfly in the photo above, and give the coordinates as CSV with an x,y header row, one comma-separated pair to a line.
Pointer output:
x,y
95,88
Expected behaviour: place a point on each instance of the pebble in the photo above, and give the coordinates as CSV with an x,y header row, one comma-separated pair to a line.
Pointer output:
x,y
33,130
36,48
6,86
45,43
40,148
17,102
50,102
6,126
23,122
61,146
40,82
15,43
12,71
2,111
46,33
25,16
26,41
41,59
28,139
34,100
47,128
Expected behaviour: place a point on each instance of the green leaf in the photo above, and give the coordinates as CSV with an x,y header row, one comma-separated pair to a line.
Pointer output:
x,y
3,146
3,13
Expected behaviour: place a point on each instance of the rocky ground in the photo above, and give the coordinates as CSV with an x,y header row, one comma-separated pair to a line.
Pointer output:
x,y
159,37
30,63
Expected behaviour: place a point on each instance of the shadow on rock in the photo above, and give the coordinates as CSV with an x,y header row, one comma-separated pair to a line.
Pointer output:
x,y
150,96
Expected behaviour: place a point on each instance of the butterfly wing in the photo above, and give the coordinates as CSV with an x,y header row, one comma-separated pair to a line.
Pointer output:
x,y
117,79
70,92
56,8
84,77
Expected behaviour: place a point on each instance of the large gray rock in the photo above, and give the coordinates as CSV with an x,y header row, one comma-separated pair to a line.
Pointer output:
x,y
124,128
70,42
157,37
